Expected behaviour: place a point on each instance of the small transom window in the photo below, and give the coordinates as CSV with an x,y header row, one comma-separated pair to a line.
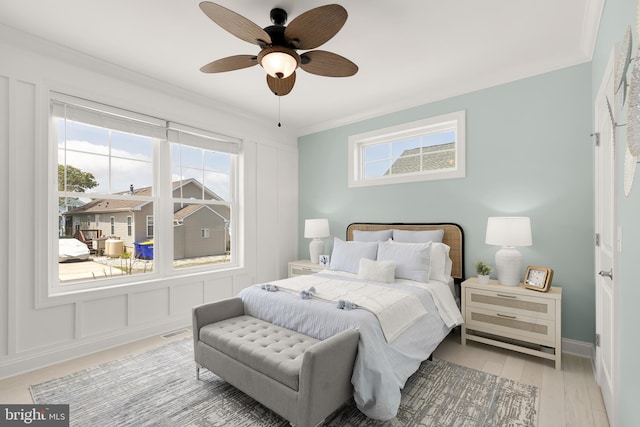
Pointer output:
x,y
423,150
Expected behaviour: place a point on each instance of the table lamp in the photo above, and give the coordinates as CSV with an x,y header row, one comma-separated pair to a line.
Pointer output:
x,y
509,232
316,229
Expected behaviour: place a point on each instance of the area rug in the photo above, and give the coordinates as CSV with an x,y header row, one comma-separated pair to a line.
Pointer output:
x,y
159,388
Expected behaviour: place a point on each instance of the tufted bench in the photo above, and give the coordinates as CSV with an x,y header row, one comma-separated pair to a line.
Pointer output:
x,y
299,377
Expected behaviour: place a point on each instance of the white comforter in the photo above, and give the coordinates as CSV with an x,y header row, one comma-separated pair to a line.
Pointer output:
x,y
396,309
381,368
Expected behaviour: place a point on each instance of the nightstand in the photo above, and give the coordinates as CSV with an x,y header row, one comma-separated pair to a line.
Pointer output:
x,y
514,318
302,267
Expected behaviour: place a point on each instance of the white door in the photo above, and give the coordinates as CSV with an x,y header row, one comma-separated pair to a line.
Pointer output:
x,y
606,242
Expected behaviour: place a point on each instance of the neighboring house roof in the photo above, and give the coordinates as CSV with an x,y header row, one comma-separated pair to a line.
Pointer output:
x,y
189,210
102,206
181,214
440,156
212,194
123,205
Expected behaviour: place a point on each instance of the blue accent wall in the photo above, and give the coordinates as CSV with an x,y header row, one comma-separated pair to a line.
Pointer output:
x,y
528,153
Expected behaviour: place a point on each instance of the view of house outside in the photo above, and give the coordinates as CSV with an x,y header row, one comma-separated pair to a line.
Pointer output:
x,y
107,200
423,153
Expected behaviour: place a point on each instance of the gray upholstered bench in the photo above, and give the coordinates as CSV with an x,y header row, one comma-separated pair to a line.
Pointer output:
x,y
299,377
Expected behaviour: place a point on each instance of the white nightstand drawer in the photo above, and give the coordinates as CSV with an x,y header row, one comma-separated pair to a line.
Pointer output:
x,y
512,303
303,267
514,318
524,328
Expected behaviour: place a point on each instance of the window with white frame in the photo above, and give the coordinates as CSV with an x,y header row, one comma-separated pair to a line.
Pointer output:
x,y
107,164
424,150
149,225
204,170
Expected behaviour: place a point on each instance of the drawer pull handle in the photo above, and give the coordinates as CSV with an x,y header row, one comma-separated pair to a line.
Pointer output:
x,y
507,296
506,316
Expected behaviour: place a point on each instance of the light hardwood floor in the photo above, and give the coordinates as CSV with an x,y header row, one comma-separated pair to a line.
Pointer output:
x,y
567,398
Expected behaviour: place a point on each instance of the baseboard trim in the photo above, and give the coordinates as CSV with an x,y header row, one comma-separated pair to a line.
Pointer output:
x,y
578,348
43,358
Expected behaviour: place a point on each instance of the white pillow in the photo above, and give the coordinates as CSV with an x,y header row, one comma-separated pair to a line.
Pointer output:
x,y
424,236
377,271
440,264
372,236
412,259
346,255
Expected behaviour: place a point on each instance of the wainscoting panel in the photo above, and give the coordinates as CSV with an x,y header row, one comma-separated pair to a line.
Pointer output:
x,y
102,315
45,327
4,214
184,298
287,198
242,281
148,306
267,189
217,289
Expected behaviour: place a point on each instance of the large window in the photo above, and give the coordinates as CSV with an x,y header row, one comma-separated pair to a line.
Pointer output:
x,y
424,150
203,181
121,212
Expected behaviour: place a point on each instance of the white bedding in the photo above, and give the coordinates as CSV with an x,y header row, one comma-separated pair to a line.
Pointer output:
x,y
396,309
381,368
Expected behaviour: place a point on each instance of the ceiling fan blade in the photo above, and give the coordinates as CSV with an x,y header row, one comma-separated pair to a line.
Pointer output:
x,y
281,87
234,23
230,63
327,64
316,26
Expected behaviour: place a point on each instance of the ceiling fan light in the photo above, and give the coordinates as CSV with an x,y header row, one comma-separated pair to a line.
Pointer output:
x,y
279,62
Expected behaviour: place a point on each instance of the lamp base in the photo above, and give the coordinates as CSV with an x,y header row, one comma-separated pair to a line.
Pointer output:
x,y
316,248
509,266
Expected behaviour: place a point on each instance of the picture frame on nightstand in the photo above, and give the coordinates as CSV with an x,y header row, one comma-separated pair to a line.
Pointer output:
x,y
538,278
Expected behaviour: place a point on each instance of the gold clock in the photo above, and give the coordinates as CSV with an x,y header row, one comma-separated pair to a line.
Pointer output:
x,y
538,278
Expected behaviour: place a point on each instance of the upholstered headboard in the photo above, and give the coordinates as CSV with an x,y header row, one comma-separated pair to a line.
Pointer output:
x,y
453,237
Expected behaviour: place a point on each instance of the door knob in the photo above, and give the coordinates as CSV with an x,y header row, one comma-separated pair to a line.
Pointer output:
x,y
608,274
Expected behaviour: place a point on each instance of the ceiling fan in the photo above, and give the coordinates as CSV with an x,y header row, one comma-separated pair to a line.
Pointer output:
x,y
279,43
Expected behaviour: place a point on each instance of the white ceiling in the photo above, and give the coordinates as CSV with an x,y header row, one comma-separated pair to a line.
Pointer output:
x,y
409,52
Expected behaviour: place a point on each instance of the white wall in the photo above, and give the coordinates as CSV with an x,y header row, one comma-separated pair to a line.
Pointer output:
x,y
32,336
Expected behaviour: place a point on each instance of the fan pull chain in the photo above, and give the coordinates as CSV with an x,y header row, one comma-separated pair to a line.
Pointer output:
x,y
279,124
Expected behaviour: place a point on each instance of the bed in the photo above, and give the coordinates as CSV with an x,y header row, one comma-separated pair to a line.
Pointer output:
x,y
402,304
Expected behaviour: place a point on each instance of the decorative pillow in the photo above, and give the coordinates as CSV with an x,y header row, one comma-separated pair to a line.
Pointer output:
x,y
377,271
372,236
424,236
440,264
346,255
412,259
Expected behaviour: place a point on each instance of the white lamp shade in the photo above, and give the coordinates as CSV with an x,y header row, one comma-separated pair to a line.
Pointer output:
x,y
509,231
314,228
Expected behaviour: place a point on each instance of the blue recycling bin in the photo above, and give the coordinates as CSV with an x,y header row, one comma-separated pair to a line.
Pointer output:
x,y
144,250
